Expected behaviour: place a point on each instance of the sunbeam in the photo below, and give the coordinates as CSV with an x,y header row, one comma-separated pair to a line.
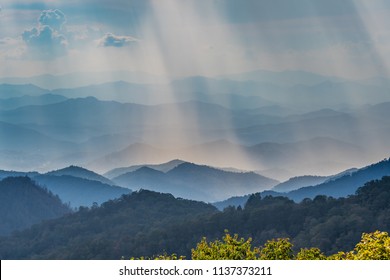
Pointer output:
x,y
270,87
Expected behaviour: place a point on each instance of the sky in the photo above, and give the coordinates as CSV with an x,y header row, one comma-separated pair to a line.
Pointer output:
x,y
347,38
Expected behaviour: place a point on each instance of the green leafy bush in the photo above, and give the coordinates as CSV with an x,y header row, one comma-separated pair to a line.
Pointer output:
x,y
230,248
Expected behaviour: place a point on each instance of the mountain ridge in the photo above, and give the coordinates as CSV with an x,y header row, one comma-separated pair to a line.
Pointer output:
x,y
24,203
199,182
77,171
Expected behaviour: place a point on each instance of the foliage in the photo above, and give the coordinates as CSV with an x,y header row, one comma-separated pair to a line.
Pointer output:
x,y
373,246
230,248
164,257
310,254
24,203
131,223
235,248
148,224
277,249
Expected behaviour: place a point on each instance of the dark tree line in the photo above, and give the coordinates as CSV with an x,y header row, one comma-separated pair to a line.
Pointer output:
x,y
24,203
147,223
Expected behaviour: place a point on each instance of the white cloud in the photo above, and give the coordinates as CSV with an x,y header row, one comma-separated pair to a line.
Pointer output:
x,y
202,37
53,18
47,40
111,40
44,42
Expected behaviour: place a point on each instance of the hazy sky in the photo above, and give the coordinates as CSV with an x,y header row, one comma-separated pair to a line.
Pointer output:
x,y
192,37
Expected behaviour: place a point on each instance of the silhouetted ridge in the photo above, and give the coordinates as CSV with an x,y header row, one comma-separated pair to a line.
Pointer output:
x,y
148,223
198,182
81,172
345,185
23,203
80,191
110,228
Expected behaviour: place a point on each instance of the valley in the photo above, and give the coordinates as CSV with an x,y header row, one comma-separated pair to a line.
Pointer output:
x,y
197,157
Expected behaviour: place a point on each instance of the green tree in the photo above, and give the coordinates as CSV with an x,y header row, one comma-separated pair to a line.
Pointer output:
x,y
230,248
310,254
373,246
277,249
341,256
164,257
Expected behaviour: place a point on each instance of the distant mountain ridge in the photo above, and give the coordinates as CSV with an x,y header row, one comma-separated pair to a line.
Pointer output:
x,y
26,100
266,132
320,151
6,174
193,181
80,172
80,79
345,185
164,167
339,185
79,191
11,90
286,78
299,182
295,183
74,185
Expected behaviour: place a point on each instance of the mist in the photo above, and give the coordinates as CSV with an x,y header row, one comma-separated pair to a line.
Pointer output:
x,y
301,90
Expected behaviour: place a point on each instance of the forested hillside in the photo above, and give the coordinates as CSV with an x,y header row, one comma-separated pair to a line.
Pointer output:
x,y
23,203
80,191
105,232
146,223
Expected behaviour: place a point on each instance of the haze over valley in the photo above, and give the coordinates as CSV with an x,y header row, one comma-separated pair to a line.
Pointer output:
x,y
217,122
206,108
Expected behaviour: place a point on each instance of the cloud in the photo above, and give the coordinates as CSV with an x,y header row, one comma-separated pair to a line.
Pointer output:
x,y
244,35
44,42
111,40
47,40
53,18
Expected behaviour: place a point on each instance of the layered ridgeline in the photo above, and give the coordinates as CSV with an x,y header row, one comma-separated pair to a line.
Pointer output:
x,y
24,203
146,223
192,181
80,187
216,122
339,185
75,186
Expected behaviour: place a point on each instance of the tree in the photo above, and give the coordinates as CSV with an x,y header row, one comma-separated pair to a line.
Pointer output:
x,y
164,257
277,249
373,246
310,254
230,248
